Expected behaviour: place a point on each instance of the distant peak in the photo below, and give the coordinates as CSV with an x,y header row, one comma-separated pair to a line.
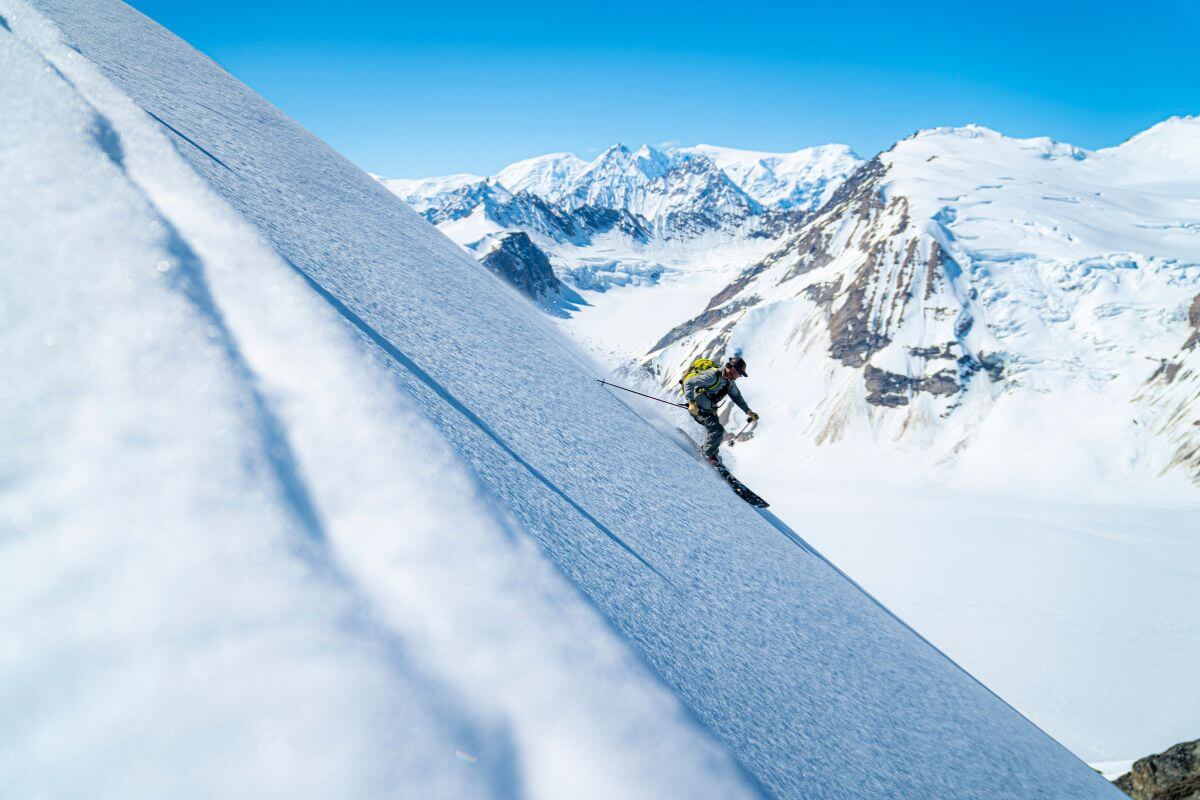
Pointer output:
x,y
968,131
972,139
1173,131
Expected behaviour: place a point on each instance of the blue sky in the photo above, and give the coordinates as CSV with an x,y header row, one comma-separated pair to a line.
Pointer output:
x,y
417,89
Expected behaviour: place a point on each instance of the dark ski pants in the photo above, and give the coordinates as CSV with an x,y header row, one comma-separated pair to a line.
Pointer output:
x,y
715,432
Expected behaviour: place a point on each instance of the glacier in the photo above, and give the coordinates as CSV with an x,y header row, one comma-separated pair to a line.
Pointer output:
x,y
299,499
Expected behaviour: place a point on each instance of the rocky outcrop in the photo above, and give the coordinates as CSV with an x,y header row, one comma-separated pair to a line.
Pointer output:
x,y
707,319
895,288
1171,391
854,336
891,389
514,257
1171,775
1194,319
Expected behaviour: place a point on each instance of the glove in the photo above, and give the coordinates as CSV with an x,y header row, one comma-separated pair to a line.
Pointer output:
x,y
693,409
751,416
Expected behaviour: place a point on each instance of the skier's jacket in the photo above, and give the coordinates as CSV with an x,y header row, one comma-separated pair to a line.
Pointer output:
x,y
708,388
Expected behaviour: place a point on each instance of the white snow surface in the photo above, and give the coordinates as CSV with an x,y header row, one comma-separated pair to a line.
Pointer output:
x,y
277,524
1113,769
541,175
214,585
413,191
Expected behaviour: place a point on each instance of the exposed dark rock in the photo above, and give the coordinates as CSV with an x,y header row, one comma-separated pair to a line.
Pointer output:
x,y
1194,318
520,262
860,194
594,219
531,212
823,294
941,267
458,203
777,223
814,250
527,210
939,351
739,283
992,364
887,388
940,383
1171,775
892,389
860,188
1167,370
709,317
853,338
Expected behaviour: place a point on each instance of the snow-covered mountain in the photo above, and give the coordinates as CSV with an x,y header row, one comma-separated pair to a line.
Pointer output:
x,y
960,273
675,193
969,290
804,179
685,220
300,501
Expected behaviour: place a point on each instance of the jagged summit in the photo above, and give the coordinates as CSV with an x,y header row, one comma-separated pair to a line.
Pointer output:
x,y
638,180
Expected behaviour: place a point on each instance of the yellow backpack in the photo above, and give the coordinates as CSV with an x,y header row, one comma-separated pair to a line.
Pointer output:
x,y
697,366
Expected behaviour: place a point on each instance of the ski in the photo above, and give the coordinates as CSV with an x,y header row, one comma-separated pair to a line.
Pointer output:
x,y
740,489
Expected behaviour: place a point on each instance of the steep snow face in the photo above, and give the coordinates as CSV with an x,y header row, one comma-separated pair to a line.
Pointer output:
x,y
239,560
317,395
966,293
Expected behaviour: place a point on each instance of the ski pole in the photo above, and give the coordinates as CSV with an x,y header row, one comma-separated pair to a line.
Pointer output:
x,y
734,440
603,382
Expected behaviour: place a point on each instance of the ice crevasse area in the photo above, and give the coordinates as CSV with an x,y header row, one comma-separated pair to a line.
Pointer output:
x,y
272,522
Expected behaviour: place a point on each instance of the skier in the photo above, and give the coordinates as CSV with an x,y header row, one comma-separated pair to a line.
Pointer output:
x,y
705,385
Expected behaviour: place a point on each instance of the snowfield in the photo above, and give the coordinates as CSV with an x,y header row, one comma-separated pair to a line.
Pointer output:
x,y
298,500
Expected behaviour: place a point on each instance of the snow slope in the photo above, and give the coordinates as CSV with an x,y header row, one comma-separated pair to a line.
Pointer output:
x,y
215,586
279,525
